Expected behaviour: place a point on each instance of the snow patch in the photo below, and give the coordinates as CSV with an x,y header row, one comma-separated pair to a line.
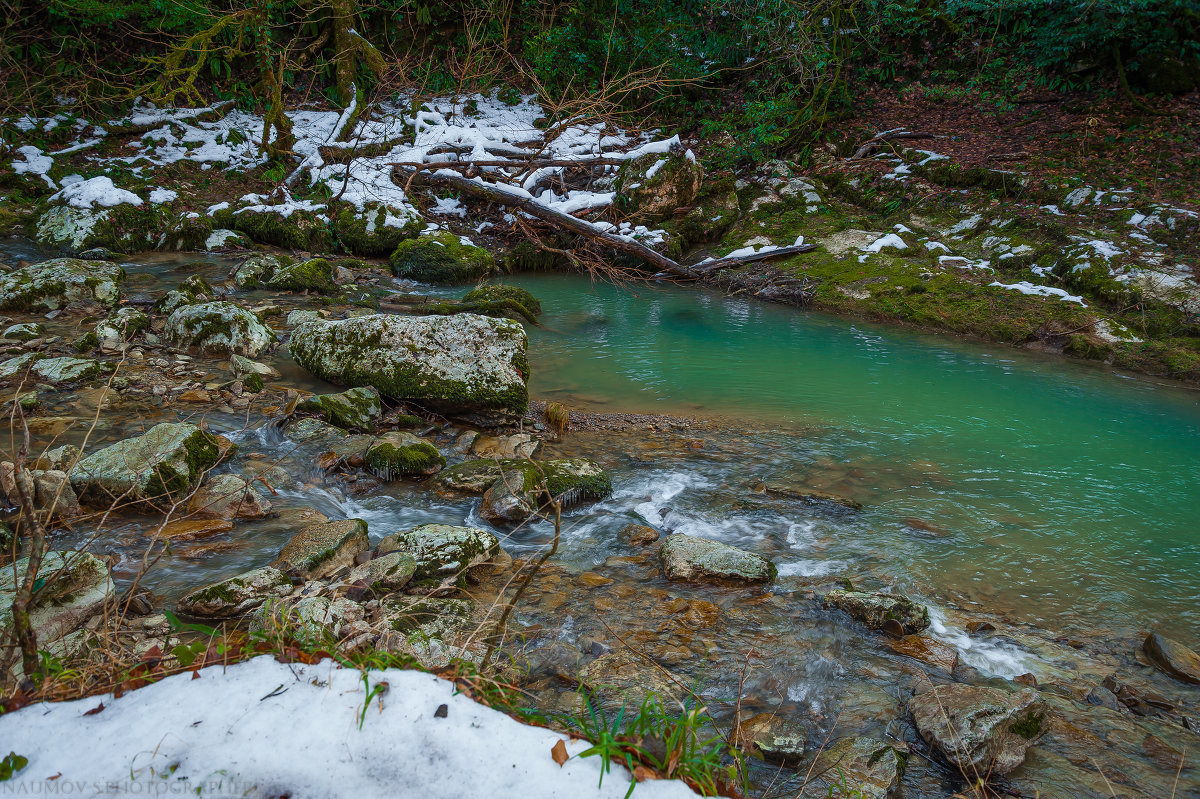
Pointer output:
x,y
96,192
268,728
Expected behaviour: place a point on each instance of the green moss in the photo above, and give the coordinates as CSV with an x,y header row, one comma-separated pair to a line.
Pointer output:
x,y
404,420
952,175
189,233
388,460
441,258
1030,726
364,233
526,257
302,230
529,304
86,343
252,383
312,275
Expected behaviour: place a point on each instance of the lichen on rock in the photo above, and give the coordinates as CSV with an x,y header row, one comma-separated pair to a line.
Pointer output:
x,y
400,454
50,285
218,328
463,363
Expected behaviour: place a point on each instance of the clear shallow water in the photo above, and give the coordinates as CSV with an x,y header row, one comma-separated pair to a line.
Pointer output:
x,y
1052,491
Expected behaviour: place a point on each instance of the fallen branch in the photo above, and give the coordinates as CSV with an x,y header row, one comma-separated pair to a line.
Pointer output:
x,y
708,267
880,138
505,196
523,165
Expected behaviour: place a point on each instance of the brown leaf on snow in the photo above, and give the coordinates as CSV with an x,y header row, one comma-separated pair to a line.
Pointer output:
x,y
642,773
559,753
95,710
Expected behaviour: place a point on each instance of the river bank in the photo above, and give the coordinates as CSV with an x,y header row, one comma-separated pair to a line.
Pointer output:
x,y
832,455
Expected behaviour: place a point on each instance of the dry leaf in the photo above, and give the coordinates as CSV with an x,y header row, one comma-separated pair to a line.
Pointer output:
x,y
642,773
95,710
559,753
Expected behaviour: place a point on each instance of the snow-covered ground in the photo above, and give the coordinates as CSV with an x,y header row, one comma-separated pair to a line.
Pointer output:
x,y
263,728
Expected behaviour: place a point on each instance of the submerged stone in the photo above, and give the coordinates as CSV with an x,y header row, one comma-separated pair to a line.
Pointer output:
x,y
158,466
872,767
355,409
777,739
1173,658
982,731
463,363
218,328
691,558
877,609
50,285
441,257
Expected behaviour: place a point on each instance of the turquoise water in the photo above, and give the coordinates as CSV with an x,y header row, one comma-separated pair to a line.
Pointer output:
x,y
1051,490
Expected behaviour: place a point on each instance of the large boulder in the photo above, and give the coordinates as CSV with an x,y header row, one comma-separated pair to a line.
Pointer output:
x,y
1172,657
72,587
322,548
50,285
235,596
870,767
399,454
159,466
96,214
650,187
218,328
982,731
441,257
356,409
442,550
227,496
460,364
881,611
691,558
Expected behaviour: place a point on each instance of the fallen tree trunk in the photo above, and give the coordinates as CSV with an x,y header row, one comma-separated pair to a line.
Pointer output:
x,y
708,267
507,196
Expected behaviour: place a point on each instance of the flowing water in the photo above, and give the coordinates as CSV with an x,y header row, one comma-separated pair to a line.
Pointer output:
x,y
1047,495
1053,491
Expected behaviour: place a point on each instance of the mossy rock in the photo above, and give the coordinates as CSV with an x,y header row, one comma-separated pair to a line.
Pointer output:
x,y
442,550
191,231
528,304
300,230
235,596
878,610
322,548
312,275
651,187
50,285
355,409
258,269
441,258
376,230
192,291
218,328
568,480
399,454
158,466
454,364
123,228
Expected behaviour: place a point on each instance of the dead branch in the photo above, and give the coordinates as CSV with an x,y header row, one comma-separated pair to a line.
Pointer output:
x,y
504,196
876,141
708,267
